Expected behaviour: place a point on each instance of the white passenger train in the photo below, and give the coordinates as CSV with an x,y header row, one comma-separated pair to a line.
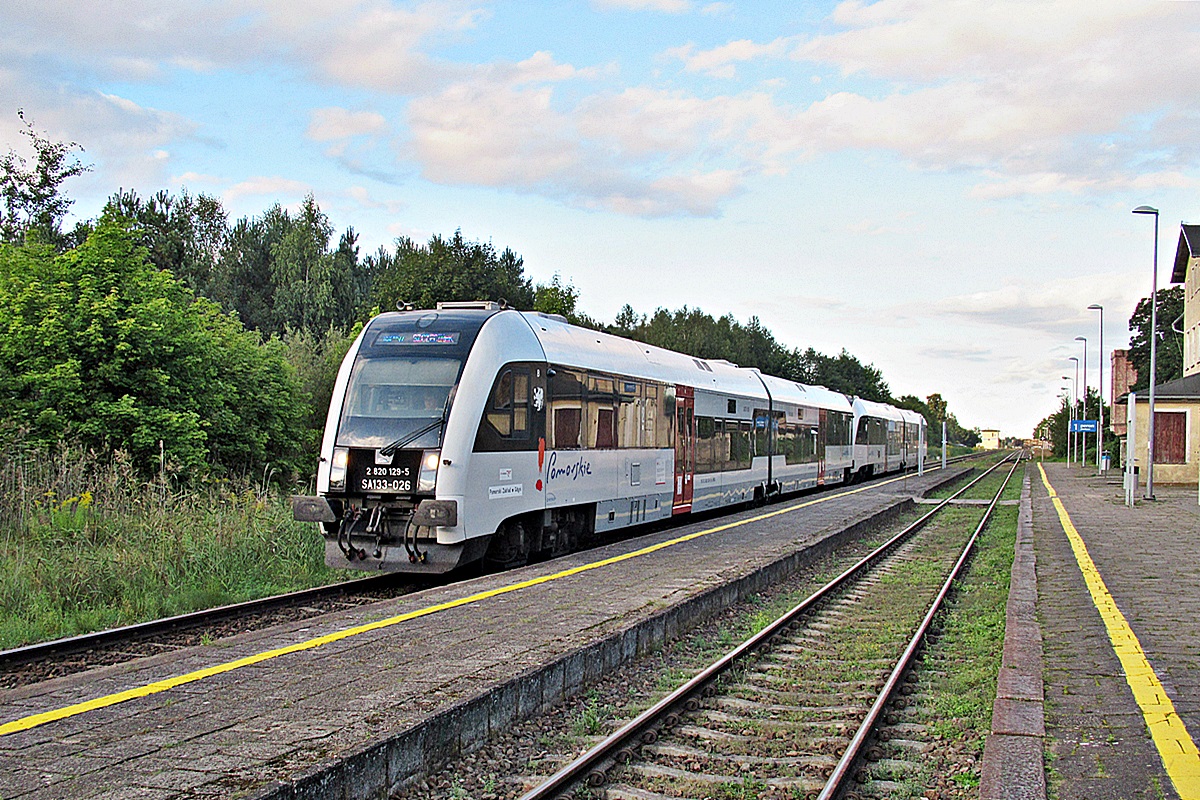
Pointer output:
x,y
475,432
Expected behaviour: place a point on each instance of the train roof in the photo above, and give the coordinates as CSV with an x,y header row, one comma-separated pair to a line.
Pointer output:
x,y
912,417
870,408
783,390
571,345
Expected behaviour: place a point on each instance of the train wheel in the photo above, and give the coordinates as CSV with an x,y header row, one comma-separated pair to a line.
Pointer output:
x,y
509,547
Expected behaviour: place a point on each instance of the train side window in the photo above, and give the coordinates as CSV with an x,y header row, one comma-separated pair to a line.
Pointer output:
x,y
508,421
508,411
520,409
762,432
606,436
706,429
660,416
631,420
500,413
566,429
566,400
601,414
739,443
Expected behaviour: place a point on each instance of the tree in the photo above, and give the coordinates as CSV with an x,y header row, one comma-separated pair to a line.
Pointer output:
x,y
937,406
691,331
102,347
448,270
278,272
1168,348
1056,424
183,234
844,373
555,298
33,204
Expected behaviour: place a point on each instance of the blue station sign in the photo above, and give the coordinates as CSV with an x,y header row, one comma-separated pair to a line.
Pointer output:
x,y
1085,426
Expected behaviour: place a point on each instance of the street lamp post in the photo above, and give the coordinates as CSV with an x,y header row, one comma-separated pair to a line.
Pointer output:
x,y
1153,351
1083,434
1075,402
1100,384
1070,416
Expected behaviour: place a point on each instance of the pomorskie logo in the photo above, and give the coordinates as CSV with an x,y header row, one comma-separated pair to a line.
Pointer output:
x,y
573,471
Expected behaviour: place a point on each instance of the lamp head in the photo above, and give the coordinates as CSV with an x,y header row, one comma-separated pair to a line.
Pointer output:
x,y
1146,210
1095,307
1072,358
1081,339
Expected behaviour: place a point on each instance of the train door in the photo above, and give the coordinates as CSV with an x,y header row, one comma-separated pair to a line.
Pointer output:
x,y
822,441
685,448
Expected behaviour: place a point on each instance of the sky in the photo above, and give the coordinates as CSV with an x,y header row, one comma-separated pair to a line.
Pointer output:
x,y
942,188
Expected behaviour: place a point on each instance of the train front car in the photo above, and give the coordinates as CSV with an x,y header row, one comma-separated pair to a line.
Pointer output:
x,y
396,455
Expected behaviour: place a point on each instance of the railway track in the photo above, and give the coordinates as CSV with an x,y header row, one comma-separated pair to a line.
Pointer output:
x,y
45,660
738,740
37,662
794,710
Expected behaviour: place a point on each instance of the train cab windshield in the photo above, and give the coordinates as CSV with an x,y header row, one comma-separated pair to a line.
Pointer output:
x,y
394,399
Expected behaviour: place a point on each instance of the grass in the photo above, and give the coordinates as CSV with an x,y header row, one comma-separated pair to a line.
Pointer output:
x,y
960,670
85,544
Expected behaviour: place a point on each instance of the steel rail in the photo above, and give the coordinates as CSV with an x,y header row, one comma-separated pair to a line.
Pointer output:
x,y
87,641
835,783
27,654
619,746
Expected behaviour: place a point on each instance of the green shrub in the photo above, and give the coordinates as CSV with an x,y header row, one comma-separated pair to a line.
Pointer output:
x,y
98,346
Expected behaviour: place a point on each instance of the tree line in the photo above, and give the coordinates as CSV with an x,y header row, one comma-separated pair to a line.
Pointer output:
x,y
197,343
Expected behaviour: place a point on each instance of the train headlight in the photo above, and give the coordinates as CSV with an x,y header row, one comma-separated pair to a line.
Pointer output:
x,y
429,466
337,469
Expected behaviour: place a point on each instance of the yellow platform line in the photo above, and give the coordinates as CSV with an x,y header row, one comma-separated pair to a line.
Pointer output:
x,y
1175,745
34,720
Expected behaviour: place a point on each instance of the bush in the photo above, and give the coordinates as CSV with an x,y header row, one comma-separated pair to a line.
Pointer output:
x,y
99,347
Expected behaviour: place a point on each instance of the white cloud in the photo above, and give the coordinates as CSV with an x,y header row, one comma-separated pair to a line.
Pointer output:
x,y
125,141
720,62
329,124
505,128
1045,98
665,6
190,178
265,186
1051,95
363,43
1055,307
364,198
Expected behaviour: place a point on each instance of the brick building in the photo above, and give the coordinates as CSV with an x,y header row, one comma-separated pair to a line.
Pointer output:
x,y
1124,375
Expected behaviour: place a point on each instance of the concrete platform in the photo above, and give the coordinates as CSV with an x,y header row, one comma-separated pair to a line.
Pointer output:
x,y
1144,568
352,704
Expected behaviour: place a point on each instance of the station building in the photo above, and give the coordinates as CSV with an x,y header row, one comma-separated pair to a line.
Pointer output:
x,y
1177,402
989,439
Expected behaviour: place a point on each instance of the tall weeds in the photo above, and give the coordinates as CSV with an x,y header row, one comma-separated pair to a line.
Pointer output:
x,y
86,543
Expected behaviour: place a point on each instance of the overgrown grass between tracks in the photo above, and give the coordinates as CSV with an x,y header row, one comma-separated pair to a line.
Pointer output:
x,y
958,671
85,544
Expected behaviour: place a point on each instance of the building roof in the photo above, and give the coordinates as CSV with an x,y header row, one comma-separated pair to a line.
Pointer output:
x,y
1189,248
1185,388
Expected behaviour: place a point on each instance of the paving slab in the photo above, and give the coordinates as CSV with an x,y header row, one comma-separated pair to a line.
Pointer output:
x,y
359,715
1097,743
